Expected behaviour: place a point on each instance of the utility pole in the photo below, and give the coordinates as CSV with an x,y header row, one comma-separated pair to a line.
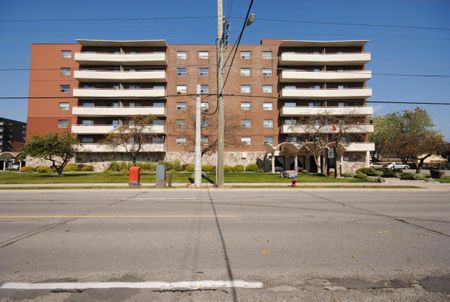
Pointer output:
x,y
198,155
220,106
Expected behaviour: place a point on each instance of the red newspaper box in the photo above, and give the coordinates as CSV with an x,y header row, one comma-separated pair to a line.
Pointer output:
x,y
134,176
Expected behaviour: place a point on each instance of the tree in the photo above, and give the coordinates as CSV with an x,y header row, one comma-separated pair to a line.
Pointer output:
x,y
132,135
56,148
408,135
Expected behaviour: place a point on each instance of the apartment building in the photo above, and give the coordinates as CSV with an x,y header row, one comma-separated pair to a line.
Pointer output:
x,y
12,135
91,87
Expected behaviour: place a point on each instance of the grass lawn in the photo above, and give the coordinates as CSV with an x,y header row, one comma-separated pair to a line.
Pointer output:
x,y
445,179
180,177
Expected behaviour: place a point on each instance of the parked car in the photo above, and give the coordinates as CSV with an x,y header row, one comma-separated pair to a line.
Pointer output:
x,y
376,165
396,166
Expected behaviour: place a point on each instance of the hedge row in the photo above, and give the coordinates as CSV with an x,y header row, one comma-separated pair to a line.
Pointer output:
x,y
67,168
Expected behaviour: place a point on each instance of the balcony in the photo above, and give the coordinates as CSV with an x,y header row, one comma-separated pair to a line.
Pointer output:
x,y
293,58
151,58
120,76
296,111
298,76
118,93
346,93
105,129
289,129
117,111
106,148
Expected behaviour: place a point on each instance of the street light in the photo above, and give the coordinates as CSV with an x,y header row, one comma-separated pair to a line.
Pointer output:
x,y
250,19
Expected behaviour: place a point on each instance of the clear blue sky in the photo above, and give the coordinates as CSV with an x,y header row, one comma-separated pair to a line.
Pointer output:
x,y
394,50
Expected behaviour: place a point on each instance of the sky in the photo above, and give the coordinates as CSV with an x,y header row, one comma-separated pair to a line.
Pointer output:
x,y
405,37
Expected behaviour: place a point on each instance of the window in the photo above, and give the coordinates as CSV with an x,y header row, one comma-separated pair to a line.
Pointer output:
x,y
290,104
205,123
134,87
267,72
158,140
181,89
181,55
66,54
267,88
316,87
246,140
65,71
181,71
268,139
116,104
158,122
267,55
245,55
314,104
87,122
267,106
115,123
181,106
63,123
203,71
205,140
64,88
290,87
290,122
246,123
88,104
245,89
203,55
181,140
63,106
245,72
341,87
246,106
180,123
87,140
204,89
158,104
204,106
268,123
342,104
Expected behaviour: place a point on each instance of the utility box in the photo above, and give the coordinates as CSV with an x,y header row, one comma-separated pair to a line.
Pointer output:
x,y
134,176
160,176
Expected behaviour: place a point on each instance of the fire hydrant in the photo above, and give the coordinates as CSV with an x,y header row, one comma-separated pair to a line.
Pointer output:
x,y
293,180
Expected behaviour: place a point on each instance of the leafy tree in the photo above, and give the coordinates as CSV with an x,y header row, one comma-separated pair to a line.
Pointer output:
x,y
56,148
132,135
408,135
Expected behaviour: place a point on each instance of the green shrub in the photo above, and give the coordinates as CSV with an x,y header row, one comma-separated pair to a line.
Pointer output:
x,y
437,173
72,168
252,168
27,169
189,168
420,176
208,168
388,173
147,166
348,175
361,176
407,176
370,171
375,179
238,168
44,169
227,169
177,166
87,168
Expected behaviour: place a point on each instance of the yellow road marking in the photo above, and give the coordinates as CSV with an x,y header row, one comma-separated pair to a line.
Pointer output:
x,y
155,216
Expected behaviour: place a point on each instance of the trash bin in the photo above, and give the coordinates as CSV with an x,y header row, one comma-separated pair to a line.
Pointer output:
x,y
134,177
293,180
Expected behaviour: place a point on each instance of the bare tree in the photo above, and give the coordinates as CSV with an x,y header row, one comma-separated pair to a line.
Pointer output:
x,y
132,135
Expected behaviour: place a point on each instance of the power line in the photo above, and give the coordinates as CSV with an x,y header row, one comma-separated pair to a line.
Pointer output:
x,y
355,24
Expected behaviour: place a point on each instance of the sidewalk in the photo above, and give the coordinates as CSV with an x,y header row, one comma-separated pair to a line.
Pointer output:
x,y
388,184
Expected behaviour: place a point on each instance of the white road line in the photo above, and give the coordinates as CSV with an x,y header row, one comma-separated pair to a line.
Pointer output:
x,y
164,198
183,285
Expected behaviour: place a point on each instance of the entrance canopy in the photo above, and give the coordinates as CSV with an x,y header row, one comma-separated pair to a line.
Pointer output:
x,y
304,148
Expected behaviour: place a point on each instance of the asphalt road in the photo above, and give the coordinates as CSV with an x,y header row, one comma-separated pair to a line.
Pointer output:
x,y
311,245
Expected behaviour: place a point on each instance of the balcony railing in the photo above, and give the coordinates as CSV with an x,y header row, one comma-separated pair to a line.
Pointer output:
x,y
328,76
117,111
122,76
118,93
293,58
153,147
305,93
152,58
105,129
295,111
288,129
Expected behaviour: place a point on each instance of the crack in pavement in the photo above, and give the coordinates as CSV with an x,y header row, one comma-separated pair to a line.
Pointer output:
x,y
373,213
39,230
